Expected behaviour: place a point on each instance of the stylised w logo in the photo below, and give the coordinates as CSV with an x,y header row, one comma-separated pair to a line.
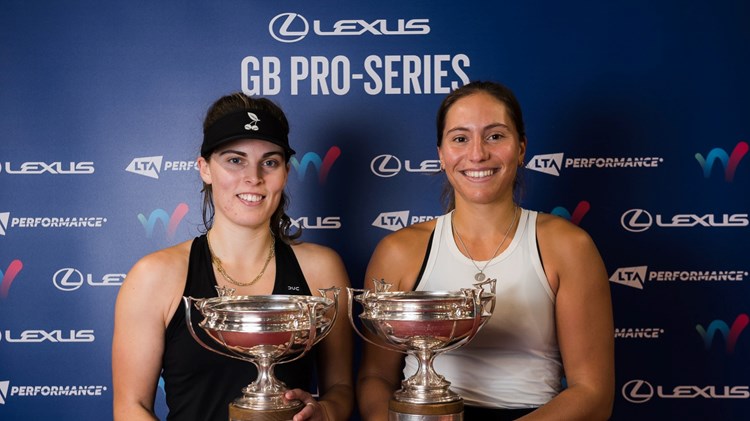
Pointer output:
x,y
323,167
730,162
3,391
7,278
730,334
581,209
170,223
4,217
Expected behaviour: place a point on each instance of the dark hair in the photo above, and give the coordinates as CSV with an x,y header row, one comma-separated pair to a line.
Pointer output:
x,y
280,222
501,93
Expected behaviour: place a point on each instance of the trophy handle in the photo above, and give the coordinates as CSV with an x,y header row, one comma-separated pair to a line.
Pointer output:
x,y
312,311
381,285
334,291
188,320
475,295
492,285
351,293
312,334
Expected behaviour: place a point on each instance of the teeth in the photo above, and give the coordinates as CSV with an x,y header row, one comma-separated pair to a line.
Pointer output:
x,y
479,174
250,197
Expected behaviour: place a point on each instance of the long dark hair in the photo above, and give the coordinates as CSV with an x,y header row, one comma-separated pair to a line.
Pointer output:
x,y
501,93
281,223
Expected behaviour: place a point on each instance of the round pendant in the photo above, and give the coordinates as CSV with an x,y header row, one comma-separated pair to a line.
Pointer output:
x,y
479,277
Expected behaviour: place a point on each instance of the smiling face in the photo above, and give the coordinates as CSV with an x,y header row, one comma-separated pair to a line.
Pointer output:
x,y
247,179
481,149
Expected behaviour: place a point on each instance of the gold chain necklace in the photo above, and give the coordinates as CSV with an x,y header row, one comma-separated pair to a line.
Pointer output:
x,y
219,267
480,276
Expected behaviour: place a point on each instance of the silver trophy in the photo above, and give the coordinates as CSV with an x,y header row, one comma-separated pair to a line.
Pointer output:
x,y
265,330
423,324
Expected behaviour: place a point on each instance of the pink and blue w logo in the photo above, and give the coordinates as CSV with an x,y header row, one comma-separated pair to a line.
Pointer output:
x,y
7,277
581,209
322,166
167,221
731,334
730,161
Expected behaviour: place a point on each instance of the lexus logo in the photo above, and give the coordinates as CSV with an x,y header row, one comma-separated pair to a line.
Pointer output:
x,y
636,220
68,279
385,165
637,391
280,27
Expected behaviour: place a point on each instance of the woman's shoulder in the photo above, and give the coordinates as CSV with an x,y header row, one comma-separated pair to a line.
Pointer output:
x,y
556,225
317,258
156,282
404,249
307,250
162,265
161,259
320,265
409,237
559,234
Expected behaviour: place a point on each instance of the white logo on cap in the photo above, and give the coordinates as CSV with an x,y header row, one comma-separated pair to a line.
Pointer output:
x,y
253,124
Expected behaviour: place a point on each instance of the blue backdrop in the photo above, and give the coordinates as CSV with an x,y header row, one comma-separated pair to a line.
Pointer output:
x,y
637,116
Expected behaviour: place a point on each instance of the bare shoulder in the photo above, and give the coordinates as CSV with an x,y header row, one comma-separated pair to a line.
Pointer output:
x,y
321,265
568,252
408,242
398,256
556,233
153,288
306,252
161,271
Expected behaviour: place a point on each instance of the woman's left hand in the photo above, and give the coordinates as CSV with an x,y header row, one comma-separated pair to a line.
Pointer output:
x,y
313,410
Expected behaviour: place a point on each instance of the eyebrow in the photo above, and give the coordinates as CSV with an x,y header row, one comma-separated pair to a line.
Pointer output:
x,y
489,126
243,154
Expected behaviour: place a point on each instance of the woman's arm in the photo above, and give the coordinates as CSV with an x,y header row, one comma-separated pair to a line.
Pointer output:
x,y
323,268
585,331
141,310
396,260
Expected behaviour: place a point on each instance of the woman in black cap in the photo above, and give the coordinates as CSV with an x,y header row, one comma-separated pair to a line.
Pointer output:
x,y
248,246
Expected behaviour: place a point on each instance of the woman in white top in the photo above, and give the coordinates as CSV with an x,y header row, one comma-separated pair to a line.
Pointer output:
x,y
553,316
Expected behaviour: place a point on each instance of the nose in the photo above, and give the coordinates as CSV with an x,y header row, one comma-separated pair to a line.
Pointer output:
x,y
253,175
478,150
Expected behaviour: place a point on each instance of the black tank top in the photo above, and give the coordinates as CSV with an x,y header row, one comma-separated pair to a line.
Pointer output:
x,y
200,384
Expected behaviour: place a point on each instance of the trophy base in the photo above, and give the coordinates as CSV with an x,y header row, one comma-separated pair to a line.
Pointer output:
x,y
242,414
404,411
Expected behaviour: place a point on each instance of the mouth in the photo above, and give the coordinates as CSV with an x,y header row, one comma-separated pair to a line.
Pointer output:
x,y
476,174
251,198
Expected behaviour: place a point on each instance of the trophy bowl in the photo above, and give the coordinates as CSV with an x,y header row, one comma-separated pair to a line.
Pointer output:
x,y
264,330
423,324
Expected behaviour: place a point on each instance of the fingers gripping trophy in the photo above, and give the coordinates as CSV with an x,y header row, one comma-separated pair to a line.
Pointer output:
x,y
423,324
264,330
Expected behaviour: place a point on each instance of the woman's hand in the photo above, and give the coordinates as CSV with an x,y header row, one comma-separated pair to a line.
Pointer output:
x,y
313,410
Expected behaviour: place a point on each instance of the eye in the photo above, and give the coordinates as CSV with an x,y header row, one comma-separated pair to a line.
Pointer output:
x,y
495,137
236,161
460,139
271,163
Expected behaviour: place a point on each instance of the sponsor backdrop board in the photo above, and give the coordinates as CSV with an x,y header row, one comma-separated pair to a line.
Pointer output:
x,y
637,118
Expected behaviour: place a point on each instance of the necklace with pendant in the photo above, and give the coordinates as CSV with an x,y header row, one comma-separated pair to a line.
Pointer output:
x,y
220,268
480,276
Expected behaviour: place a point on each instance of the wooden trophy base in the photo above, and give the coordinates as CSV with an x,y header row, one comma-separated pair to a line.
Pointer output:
x,y
403,411
241,414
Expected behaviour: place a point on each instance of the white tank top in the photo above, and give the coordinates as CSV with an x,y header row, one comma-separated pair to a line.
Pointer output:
x,y
514,361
